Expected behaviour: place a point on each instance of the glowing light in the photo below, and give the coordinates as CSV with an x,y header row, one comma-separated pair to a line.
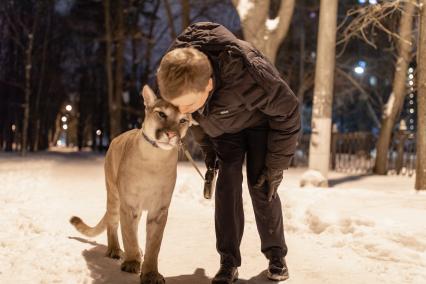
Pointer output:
x,y
64,119
411,83
373,81
410,70
362,63
372,2
411,102
68,108
411,76
411,95
98,132
13,127
359,70
65,127
411,110
362,1
59,143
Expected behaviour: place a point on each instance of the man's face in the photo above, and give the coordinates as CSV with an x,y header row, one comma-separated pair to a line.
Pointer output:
x,y
190,102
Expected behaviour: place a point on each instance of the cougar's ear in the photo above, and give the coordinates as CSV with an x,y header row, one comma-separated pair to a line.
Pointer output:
x,y
149,96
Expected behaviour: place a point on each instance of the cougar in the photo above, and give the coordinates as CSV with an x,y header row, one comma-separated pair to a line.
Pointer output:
x,y
140,174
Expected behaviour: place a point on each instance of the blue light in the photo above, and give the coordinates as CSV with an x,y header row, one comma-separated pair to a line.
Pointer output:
x,y
362,63
362,1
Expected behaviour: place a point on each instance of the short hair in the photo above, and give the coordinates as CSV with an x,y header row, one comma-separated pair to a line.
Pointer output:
x,y
183,69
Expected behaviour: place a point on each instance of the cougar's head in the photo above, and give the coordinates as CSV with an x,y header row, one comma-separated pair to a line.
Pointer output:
x,y
163,123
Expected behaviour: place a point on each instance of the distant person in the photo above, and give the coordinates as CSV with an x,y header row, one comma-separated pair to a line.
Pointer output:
x,y
243,107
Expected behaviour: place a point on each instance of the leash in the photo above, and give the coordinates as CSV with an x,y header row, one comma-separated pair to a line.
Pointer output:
x,y
189,157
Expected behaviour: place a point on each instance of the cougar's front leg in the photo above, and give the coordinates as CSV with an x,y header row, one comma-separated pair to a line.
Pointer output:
x,y
156,223
129,219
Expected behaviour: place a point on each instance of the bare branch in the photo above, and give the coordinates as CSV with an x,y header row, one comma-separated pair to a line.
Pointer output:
x,y
367,19
358,86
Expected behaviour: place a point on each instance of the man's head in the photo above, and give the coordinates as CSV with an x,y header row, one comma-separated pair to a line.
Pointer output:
x,y
184,78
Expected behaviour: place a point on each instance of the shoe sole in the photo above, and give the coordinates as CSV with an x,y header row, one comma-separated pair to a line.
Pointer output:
x,y
277,277
233,281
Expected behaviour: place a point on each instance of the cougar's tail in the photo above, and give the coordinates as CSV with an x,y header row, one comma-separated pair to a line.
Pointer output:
x,y
87,230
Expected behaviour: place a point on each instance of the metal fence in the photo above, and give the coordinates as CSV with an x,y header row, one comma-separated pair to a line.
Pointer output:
x,y
356,152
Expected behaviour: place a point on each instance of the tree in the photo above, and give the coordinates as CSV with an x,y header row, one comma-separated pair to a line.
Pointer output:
x,y
395,102
23,29
264,33
186,13
421,102
113,101
319,149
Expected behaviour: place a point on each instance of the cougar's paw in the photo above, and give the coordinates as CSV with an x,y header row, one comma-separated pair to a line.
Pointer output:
x,y
114,253
132,266
152,278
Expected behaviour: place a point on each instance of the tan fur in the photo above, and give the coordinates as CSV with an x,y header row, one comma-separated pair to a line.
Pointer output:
x,y
140,177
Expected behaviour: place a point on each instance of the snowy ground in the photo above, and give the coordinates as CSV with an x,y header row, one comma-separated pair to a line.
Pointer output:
x,y
365,229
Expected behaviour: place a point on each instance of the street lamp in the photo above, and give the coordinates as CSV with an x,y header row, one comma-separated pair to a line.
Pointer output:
x,y
360,68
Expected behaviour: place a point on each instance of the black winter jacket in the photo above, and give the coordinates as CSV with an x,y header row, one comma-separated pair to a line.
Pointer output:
x,y
248,91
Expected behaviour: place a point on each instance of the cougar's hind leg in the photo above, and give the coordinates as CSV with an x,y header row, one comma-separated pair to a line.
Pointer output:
x,y
113,212
129,219
113,250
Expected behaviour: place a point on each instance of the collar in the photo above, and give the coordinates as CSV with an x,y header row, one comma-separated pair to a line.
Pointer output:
x,y
149,140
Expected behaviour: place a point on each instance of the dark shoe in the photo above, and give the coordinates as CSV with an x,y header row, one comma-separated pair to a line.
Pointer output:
x,y
226,275
277,270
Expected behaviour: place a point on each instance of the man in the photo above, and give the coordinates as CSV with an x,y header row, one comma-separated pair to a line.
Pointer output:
x,y
244,109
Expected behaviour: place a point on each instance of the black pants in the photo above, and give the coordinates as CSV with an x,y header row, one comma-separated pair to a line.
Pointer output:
x,y
231,150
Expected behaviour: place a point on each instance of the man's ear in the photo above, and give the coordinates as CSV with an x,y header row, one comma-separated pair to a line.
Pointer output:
x,y
192,121
149,96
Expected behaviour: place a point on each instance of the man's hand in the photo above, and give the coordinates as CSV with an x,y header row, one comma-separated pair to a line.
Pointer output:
x,y
273,178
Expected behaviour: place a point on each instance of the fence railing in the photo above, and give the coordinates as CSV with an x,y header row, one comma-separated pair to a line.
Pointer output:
x,y
356,152
351,152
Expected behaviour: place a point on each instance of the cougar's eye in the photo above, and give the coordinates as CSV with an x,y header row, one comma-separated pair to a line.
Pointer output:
x,y
161,114
183,120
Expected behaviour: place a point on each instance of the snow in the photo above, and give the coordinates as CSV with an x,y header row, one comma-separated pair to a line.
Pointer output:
x,y
272,24
364,229
244,6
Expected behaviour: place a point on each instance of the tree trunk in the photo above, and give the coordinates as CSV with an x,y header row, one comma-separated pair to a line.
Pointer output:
x,y
264,33
119,59
37,117
170,19
396,99
319,148
186,13
28,66
421,103
113,129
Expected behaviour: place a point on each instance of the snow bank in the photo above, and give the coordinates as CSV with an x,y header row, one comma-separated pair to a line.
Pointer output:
x,y
365,229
